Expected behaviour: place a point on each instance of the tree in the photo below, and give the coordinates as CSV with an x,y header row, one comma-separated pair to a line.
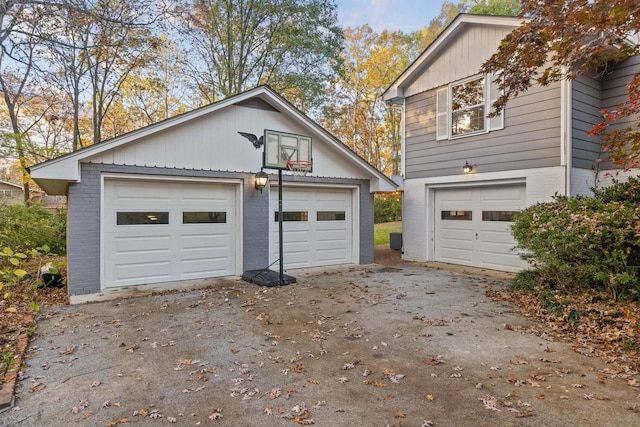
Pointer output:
x,y
291,45
494,7
19,37
562,39
94,47
354,112
154,93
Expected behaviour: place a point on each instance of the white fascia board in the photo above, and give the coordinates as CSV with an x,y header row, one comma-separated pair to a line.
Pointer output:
x,y
433,50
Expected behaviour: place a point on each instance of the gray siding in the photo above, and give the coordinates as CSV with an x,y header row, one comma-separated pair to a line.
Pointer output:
x,y
590,95
614,87
530,138
83,233
585,113
255,227
366,224
83,247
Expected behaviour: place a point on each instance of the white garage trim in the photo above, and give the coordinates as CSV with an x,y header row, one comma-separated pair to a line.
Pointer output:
x,y
187,268
308,250
471,224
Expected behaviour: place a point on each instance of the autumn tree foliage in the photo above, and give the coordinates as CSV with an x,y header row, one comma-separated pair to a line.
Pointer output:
x,y
354,112
291,45
562,39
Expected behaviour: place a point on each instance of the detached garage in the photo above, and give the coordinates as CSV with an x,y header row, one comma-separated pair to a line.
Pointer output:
x,y
176,201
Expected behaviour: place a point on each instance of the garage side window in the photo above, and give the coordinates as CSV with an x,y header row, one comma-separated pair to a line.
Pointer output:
x,y
456,215
498,215
331,216
142,218
293,216
204,217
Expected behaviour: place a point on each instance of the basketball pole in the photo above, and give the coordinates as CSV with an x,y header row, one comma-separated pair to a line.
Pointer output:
x,y
280,245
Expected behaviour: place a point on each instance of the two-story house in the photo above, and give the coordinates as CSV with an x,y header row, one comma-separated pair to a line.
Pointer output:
x,y
465,174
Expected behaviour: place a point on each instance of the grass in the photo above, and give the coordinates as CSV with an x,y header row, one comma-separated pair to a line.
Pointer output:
x,y
381,231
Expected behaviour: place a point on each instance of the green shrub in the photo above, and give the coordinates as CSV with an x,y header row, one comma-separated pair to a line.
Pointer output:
x,y
576,243
26,227
387,207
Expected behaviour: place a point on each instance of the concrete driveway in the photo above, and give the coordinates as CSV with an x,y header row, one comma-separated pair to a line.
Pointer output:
x,y
361,346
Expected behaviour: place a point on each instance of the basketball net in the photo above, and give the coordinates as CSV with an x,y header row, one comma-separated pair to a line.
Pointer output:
x,y
299,167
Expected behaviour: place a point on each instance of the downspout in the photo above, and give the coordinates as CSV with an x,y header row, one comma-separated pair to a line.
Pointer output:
x,y
566,148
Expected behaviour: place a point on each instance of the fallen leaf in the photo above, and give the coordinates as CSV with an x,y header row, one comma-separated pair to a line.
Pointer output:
x,y
400,414
215,416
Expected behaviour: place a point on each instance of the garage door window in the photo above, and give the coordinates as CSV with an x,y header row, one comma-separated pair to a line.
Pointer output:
x,y
331,216
142,218
293,216
204,217
456,215
498,215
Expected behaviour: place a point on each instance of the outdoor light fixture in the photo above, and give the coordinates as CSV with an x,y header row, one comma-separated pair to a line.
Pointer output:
x,y
261,180
467,168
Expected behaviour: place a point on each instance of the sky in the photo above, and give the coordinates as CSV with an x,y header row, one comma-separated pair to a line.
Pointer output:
x,y
405,15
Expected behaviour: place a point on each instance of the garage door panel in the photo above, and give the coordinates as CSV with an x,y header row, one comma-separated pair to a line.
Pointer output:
x,y
132,273
452,254
205,241
213,266
151,253
484,238
508,195
499,259
497,236
132,245
324,237
457,234
142,191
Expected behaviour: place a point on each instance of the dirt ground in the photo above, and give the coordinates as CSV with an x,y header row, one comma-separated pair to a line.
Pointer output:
x,y
403,345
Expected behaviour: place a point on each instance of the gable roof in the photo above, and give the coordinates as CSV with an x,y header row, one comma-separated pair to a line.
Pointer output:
x,y
395,92
11,184
18,186
55,175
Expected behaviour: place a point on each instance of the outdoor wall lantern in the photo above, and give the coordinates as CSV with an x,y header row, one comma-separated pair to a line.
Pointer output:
x,y
467,168
261,180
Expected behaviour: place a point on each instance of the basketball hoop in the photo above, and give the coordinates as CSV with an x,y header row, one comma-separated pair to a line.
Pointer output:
x,y
299,167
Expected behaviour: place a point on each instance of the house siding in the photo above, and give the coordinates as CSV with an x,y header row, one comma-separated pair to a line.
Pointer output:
x,y
614,87
11,195
366,224
462,58
530,138
585,113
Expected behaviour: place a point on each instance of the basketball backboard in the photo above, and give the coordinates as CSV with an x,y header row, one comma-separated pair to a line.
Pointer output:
x,y
281,147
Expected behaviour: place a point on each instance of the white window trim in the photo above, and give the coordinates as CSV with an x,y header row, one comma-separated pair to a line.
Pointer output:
x,y
444,113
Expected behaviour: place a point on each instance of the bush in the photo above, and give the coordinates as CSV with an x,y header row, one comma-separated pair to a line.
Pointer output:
x,y
585,242
387,207
23,228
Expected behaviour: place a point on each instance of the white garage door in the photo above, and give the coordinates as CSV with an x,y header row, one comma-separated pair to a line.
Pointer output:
x,y
317,226
472,226
165,231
